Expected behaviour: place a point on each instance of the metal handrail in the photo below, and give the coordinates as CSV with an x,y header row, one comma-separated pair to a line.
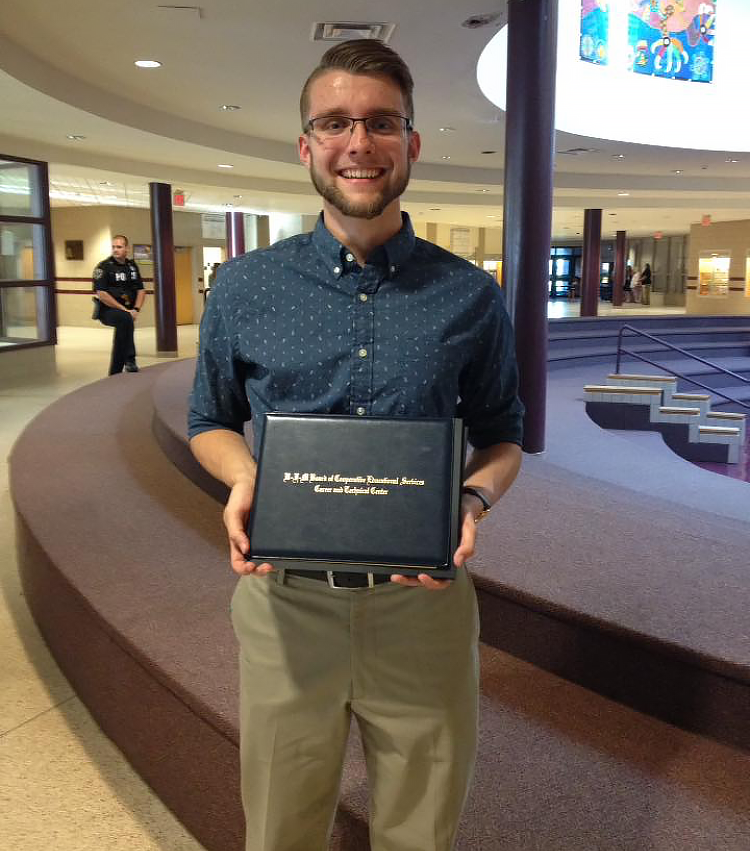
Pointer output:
x,y
621,351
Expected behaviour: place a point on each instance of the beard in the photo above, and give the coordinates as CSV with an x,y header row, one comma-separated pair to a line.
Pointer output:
x,y
362,210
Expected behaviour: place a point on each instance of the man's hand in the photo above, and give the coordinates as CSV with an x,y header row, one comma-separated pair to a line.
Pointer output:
x,y
134,314
465,550
236,513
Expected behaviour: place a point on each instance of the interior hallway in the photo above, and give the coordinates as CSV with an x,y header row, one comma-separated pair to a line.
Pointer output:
x,y
62,782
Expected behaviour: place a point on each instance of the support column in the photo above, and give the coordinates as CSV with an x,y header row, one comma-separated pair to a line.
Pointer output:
x,y
263,231
591,266
165,297
481,251
235,226
527,197
617,296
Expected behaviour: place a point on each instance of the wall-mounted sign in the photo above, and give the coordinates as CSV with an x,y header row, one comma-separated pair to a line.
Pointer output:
x,y
178,199
74,249
461,241
142,253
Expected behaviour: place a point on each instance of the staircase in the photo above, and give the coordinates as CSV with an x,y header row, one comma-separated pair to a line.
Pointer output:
x,y
651,403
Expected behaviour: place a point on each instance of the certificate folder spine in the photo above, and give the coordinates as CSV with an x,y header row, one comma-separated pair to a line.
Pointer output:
x,y
371,494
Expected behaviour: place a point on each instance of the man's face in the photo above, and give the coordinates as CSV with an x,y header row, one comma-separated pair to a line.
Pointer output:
x,y
358,174
119,249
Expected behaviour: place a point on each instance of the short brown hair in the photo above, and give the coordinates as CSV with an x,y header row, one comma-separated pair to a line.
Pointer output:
x,y
121,236
362,56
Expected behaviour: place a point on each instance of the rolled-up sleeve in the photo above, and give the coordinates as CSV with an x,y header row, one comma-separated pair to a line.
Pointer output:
x,y
218,399
489,404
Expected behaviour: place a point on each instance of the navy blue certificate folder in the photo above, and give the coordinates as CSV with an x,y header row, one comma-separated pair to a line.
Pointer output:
x,y
365,494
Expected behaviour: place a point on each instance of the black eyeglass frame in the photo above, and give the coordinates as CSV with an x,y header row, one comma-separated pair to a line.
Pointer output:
x,y
408,126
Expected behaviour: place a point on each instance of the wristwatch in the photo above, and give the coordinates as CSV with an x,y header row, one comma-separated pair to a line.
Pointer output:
x,y
487,505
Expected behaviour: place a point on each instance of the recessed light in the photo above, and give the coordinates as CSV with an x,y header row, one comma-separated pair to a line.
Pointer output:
x,y
618,156
147,63
225,165
483,190
447,129
75,138
446,157
623,194
611,214
677,171
237,196
730,160
230,107
104,183
435,209
229,205
488,152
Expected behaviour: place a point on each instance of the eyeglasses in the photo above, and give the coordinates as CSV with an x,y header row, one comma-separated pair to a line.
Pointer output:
x,y
333,126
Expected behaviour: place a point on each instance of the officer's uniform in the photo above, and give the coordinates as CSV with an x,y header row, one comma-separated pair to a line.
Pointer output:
x,y
122,281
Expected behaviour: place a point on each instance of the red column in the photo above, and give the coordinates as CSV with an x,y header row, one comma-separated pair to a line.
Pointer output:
x,y
165,297
235,234
617,297
591,268
527,197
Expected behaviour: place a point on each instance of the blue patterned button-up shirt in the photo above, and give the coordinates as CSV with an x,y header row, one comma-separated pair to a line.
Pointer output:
x,y
301,327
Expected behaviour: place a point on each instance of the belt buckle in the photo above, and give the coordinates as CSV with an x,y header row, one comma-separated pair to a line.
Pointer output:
x,y
332,582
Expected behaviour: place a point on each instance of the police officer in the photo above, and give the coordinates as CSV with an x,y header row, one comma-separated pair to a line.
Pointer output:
x,y
119,288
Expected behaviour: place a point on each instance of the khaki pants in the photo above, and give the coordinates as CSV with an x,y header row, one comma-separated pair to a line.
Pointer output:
x,y
403,660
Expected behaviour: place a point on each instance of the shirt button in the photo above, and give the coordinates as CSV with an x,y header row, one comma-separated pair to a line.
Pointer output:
x,y
360,411
350,257
336,270
362,353
363,296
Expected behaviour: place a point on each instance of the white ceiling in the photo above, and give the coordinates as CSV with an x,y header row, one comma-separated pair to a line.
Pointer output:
x,y
67,69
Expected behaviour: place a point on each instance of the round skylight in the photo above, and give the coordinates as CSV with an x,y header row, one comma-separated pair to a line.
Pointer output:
x,y
610,101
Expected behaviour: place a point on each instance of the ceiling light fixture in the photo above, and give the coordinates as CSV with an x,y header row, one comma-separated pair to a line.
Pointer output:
x,y
147,63
224,165
446,157
230,107
677,171
623,194
483,190
104,183
237,196
618,156
75,138
488,152
730,160
447,129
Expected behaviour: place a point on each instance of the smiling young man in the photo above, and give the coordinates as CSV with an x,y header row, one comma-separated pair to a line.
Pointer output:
x,y
361,318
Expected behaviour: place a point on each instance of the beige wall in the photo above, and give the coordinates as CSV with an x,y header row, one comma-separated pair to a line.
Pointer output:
x,y
493,237
731,237
96,226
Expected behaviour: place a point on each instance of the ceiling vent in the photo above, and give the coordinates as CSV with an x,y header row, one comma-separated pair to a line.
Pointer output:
x,y
346,30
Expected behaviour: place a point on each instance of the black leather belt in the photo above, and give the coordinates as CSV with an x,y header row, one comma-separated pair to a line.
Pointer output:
x,y
341,579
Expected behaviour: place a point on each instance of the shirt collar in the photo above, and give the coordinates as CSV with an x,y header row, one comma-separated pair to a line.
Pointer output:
x,y
390,256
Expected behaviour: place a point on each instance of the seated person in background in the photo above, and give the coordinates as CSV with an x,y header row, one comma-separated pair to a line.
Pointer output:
x,y
119,288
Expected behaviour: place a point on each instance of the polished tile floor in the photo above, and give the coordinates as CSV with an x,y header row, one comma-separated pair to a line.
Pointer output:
x,y
63,784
